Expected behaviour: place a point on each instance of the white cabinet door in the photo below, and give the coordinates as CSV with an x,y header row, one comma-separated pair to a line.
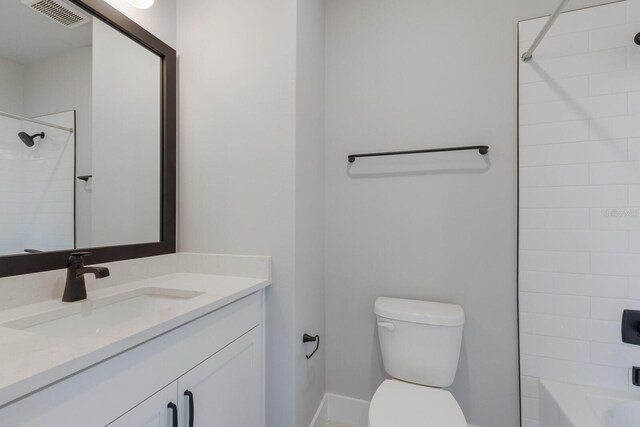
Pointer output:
x,y
228,387
153,412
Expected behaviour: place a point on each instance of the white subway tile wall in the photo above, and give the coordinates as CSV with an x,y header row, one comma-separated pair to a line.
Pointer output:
x,y
37,186
579,228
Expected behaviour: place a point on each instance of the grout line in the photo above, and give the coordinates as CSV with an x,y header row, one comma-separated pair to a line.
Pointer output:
x,y
580,119
587,185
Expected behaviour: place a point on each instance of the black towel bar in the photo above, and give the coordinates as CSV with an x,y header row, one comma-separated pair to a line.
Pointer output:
x,y
482,149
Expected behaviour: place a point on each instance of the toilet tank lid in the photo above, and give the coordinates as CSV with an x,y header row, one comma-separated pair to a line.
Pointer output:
x,y
424,312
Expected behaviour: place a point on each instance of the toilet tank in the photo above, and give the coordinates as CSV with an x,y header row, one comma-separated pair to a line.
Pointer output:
x,y
420,340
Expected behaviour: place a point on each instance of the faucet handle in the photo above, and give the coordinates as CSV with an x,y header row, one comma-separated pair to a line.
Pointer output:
x,y
77,258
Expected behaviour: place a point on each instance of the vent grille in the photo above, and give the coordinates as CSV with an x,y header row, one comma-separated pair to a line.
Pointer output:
x,y
59,11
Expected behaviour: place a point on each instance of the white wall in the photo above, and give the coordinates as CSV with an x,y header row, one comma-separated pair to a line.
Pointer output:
x,y
251,169
11,87
579,201
126,140
238,156
309,278
159,19
412,74
72,74
11,179
11,101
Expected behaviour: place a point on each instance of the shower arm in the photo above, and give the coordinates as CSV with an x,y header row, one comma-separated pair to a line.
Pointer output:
x,y
552,19
13,116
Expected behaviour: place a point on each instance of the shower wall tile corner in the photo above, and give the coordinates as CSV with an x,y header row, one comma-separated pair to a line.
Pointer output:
x,y
579,226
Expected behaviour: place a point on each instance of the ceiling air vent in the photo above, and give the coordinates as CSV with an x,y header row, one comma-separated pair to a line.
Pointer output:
x,y
60,11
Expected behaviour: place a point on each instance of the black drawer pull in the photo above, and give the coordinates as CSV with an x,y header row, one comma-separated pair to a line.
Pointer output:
x,y
174,409
191,410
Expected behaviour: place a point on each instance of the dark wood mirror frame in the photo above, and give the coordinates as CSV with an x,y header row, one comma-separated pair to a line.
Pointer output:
x,y
12,265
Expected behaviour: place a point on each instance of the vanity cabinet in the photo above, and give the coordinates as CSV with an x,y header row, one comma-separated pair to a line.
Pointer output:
x,y
219,358
224,390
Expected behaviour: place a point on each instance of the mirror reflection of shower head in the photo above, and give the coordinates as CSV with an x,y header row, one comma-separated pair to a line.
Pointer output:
x,y
29,140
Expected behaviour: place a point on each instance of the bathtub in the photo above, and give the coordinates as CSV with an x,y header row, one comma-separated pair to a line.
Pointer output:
x,y
567,405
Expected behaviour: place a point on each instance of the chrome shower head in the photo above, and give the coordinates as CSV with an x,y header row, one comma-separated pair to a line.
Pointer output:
x,y
29,140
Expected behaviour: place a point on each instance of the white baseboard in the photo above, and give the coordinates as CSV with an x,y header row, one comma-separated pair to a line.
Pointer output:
x,y
334,407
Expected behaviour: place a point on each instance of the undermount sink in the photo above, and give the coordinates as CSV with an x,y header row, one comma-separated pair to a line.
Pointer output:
x,y
93,317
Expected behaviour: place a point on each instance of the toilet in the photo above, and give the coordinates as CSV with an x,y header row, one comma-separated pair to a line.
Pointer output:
x,y
420,343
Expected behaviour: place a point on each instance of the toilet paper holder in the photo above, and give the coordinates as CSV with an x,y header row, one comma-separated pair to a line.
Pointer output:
x,y
310,338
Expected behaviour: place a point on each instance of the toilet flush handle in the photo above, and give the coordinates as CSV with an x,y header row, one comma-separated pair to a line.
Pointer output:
x,y
386,325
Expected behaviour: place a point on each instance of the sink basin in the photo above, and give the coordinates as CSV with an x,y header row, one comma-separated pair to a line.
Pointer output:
x,y
93,317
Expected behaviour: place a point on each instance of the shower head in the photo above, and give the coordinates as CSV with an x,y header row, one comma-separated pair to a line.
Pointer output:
x,y
29,140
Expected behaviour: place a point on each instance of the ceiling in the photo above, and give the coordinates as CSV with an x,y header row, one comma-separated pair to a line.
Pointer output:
x,y
27,37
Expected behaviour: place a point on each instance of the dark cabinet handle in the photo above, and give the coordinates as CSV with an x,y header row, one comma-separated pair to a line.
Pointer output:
x,y
174,409
191,411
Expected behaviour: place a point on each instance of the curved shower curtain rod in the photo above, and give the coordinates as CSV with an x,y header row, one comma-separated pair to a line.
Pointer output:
x,y
40,122
552,19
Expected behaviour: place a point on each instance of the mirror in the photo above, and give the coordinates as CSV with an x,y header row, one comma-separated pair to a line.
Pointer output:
x,y
81,129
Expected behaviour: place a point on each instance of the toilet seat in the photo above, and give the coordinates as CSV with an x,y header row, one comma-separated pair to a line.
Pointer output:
x,y
400,404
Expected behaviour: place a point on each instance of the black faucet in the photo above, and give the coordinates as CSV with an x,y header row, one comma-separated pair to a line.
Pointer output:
x,y
75,288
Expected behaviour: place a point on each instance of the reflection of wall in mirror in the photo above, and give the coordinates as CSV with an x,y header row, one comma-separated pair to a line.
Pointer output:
x,y
126,140
10,182
11,86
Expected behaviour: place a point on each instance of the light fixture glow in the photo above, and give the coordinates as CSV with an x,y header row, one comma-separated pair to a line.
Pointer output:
x,y
141,4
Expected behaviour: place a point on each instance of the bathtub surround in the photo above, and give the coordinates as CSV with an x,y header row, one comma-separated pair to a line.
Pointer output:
x,y
578,210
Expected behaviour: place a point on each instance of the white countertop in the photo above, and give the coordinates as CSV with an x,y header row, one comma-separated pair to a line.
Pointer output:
x,y
30,361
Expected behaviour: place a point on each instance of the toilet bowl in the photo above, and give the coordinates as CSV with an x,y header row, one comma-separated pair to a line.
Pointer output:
x,y
401,404
420,343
